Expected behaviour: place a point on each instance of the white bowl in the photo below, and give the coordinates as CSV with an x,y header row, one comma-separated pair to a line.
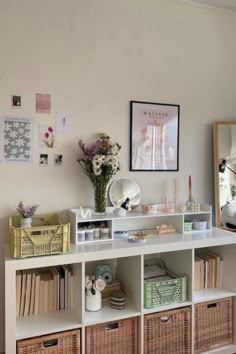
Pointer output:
x,y
199,224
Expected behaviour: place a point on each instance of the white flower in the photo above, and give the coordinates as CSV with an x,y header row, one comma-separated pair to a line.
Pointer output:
x,y
16,124
112,161
97,171
114,150
97,161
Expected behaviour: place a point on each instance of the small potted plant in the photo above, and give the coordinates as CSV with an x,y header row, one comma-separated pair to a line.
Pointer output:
x,y
26,213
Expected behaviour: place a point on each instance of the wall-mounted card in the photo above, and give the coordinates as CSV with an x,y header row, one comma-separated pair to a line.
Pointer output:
x,y
16,137
63,122
46,136
43,159
16,101
43,103
58,160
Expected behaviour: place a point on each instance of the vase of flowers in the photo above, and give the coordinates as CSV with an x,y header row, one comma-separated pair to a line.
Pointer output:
x,y
93,297
26,213
100,163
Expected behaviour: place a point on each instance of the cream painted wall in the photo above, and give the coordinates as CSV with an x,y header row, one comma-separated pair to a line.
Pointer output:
x,y
93,57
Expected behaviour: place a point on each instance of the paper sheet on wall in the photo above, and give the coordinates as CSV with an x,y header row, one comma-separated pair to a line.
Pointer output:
x,y
64,122
16,139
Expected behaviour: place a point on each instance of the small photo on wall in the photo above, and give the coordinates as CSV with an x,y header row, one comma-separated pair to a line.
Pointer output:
x,y
16,101
43,159
43,103
58,160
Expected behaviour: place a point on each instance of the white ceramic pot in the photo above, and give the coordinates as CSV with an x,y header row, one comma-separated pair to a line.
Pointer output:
x,y
93,302
26,222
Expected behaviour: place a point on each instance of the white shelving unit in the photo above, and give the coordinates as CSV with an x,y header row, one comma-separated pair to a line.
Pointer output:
x,y
137,220
127,260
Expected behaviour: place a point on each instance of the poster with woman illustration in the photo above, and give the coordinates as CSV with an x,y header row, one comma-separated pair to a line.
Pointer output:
x,y
154,136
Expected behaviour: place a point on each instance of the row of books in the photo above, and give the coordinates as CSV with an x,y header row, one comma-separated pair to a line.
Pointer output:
x,y
208,270
44,290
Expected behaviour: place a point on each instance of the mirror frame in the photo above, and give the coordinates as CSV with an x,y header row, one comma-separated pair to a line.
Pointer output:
x,y
217,125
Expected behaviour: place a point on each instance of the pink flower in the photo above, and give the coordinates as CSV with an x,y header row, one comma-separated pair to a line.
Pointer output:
x,y
46,135
50,129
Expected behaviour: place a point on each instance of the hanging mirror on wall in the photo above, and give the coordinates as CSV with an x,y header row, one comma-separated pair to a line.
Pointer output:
x,y
124,188
225,174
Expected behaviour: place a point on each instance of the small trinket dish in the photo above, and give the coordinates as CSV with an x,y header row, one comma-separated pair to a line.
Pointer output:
x,y
150,208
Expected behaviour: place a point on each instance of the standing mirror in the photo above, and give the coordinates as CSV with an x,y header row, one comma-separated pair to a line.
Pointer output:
x,y
225,174
123,188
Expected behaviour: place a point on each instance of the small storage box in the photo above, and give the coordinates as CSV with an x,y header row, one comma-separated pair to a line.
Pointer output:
x,y
46,236
165,292
168,332
118,337
213,325
58,343
188,226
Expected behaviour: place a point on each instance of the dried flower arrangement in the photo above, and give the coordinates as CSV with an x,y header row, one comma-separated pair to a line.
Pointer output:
x,y
26,211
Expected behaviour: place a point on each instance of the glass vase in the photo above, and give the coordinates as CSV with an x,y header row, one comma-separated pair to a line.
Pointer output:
x,y
100,197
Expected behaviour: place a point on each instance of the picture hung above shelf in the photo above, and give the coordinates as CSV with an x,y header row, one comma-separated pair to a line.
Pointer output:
x,y
154,136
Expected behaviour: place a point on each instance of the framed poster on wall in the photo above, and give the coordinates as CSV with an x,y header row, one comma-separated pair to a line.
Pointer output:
x,y
154,136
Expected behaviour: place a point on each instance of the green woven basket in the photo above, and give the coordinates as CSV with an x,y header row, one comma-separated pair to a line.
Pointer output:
x,y
165,292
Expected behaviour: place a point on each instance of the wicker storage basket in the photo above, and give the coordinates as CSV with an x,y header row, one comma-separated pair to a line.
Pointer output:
x,y
164,292
213,324
46,236
168,332
58,343
118,337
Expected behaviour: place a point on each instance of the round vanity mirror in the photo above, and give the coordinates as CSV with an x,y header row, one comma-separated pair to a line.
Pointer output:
x,y
125,189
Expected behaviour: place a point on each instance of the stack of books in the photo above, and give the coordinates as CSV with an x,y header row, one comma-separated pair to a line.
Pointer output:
x,y
44,290
208,270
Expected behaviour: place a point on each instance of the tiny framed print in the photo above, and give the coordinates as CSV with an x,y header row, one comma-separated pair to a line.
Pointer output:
x,y
16,101
154,136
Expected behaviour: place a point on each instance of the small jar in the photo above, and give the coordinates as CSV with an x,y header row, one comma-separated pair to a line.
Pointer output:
x,y
96,233
80,235
89,235
105,231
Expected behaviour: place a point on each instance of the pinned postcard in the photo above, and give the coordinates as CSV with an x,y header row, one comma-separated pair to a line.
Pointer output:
x,y
43,103
46,136
63,122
